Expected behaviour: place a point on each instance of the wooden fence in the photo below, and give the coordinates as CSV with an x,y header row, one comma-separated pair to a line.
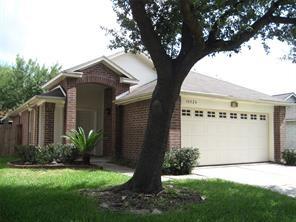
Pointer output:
x,y
10,135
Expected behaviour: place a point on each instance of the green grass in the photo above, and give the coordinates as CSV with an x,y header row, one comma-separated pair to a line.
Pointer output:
x,y
51,195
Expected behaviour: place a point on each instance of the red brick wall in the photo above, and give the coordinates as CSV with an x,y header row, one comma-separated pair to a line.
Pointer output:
x,y
24,120
175,129
103,75
49,123
279,131
36,126
70,107
108,114
134,122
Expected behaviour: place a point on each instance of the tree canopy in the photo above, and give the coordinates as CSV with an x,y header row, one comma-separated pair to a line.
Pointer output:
x,y
22,81
217,25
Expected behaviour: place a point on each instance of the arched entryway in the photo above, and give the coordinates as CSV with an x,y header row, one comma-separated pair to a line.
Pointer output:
x,y
90,110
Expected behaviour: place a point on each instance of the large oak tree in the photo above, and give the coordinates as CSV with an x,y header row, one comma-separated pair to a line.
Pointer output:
x,y
177,34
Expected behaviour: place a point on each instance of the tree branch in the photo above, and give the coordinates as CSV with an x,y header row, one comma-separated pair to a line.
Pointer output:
x,y
244,36
148,35
192,41
283,20
191,22
214,31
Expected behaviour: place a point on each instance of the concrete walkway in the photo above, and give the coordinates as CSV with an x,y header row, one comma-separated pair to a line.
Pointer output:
x,y
271,176
276,177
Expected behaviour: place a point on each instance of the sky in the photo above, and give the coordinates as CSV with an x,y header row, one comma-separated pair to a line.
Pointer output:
x,y
68,32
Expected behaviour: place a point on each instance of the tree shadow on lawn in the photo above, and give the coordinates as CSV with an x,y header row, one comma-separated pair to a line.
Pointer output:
x,y
225,202
4,160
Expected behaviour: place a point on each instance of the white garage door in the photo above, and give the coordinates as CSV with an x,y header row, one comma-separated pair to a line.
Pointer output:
x,y
225,137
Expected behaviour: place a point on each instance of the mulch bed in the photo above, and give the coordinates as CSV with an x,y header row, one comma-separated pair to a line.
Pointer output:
x,y
74,165
171,198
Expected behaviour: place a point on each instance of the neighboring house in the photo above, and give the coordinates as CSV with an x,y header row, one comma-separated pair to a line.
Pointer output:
x,y
2,115
227,122
290,140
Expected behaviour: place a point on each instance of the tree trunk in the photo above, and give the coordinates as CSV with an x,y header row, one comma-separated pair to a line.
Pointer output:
x,y
147,176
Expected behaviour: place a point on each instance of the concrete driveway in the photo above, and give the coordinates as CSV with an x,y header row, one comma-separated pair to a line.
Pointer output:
x,y
272,176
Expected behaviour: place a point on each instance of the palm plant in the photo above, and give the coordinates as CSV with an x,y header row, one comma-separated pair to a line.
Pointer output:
x,y
84,143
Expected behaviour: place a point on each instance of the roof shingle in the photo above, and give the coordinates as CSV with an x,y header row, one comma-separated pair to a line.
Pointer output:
x,y
199,83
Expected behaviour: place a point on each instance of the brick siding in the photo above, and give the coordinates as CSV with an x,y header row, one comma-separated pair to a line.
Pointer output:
x,y
24,120
279,132
108,115
70,107
49,123
134,122
36,127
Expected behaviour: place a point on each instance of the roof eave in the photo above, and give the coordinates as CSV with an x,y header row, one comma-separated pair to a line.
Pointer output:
x,y
35,100
123,101
106,61
133,99
60,77
129,81
272,102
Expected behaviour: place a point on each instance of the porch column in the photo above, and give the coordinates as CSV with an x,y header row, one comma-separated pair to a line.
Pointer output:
x,y
70,107
279,132
49,123
36,125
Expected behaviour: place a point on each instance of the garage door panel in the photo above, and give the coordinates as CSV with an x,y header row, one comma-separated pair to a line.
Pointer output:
x,y
226,140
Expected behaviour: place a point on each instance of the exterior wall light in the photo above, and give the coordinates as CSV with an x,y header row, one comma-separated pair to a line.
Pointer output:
x,y
234,104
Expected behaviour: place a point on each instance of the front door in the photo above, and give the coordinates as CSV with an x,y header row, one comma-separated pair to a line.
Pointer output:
x,y
87,119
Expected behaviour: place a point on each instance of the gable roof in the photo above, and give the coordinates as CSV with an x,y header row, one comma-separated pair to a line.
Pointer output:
x,y
56,92
77,72
199,84
285,96
55,95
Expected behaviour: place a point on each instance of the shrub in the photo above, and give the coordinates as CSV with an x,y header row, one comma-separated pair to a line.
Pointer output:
x,y
61,153
289,156
85,143
64,153
44,154
27,153
180,161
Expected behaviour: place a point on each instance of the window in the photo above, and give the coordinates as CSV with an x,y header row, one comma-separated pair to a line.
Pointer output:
x,y
233,115
253,116
185,112
198,113
262,117
211,114
243,116
222,115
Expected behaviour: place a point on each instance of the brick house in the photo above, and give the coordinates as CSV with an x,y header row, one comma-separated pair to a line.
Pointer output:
x,y
227,122
290,121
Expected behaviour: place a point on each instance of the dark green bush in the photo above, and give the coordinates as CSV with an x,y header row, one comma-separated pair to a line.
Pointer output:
x,y
27,153
289,156
61,153
180,161
65,153
45,154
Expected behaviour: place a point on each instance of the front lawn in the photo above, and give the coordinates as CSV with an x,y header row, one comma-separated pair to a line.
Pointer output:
x,y
51,195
